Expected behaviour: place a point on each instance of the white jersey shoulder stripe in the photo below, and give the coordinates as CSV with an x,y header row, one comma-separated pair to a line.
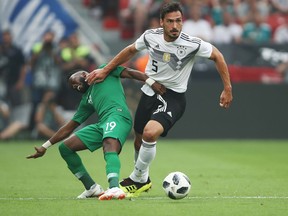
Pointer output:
x,y
154,31
188,38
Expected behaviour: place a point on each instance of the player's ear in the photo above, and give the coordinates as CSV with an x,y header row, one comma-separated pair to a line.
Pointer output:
x,y
84,74
161,22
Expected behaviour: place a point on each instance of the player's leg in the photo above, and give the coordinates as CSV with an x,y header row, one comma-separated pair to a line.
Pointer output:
x,y
137,145
68,150
144,111
116,130
150,130
111,149
147,151
168,110
139,180
143,114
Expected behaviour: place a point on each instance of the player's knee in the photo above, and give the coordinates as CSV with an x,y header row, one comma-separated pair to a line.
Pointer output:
x,y
150,135
64,150
152,131
111,145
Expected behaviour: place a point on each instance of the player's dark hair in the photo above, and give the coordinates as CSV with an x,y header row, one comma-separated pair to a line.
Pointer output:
x,y
170,7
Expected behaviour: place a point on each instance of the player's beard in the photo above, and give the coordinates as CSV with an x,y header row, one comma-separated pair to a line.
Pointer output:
x,y
172,34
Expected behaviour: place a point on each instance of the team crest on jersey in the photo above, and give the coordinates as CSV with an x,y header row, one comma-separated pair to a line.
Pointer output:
x,y
181,51
166,57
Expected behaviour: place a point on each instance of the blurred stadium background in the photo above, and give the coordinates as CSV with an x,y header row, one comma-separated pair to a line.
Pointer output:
x,y
259,109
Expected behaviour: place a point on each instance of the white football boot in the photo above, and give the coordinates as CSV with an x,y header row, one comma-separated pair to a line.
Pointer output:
x,y
95,191
115,193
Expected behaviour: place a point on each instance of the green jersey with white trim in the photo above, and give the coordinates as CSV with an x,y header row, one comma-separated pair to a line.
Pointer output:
x,y
105,98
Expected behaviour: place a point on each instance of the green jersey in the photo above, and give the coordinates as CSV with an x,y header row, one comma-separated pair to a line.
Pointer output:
x,y
105,98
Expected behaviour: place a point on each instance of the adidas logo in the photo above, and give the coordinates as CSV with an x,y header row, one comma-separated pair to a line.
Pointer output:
x,y
157,46
169,113
131,188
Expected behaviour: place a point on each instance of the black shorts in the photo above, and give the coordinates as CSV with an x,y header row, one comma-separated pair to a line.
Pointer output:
x,y
165,109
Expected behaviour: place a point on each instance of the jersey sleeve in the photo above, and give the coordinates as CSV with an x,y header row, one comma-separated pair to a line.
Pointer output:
x,y
83,112
205,49
117,71
139,43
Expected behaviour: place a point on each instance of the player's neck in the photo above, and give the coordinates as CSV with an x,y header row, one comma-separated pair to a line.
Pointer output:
x,y
169,39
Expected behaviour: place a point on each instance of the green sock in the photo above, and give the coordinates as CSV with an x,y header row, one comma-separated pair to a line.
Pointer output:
x,y
112,168
75,165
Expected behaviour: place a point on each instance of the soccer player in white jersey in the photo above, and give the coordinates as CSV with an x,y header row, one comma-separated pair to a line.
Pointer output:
x,y
171,57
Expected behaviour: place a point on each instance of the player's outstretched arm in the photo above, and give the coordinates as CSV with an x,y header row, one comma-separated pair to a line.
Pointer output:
x,y
226,95
123,56
61,134
138,75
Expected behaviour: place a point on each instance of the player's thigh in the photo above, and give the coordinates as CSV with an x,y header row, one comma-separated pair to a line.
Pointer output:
x,y
117,127
145,108
91,136
74,143
170,109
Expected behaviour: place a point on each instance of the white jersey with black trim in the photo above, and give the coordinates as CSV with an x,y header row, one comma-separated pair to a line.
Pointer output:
x,y
171,63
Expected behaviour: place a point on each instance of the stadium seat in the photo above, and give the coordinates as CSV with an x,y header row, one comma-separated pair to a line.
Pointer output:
x,y
110,22
126,26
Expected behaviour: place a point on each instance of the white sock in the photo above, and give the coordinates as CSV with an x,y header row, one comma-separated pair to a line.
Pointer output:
x,y
146,155
136,153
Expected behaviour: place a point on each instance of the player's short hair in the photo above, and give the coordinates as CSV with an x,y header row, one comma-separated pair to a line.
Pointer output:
x,y
170,7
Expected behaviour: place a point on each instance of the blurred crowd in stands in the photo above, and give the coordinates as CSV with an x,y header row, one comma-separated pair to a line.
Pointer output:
x,y
34,95
217,21
220,22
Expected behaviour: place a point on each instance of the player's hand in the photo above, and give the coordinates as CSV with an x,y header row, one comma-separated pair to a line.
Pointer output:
x,y
226,98
158,88
95,76
40,151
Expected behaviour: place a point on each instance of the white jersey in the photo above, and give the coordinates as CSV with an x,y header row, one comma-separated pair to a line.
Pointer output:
x,y
171,63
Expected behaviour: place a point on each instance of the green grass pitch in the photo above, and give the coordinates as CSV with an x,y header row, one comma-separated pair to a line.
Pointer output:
x,y
229,177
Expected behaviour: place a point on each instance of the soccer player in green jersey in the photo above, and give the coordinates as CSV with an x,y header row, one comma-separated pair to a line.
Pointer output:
x,y
108,100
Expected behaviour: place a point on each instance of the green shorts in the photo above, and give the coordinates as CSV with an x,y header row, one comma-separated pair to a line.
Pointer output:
x,y
116,126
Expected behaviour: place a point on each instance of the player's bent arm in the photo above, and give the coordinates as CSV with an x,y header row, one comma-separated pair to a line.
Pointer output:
x,y
65,131
134,74
222,68
123,56
99,75
226,95
138,75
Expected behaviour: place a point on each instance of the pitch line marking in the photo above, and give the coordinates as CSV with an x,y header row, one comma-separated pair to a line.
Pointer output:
x,y
150,198
223,197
